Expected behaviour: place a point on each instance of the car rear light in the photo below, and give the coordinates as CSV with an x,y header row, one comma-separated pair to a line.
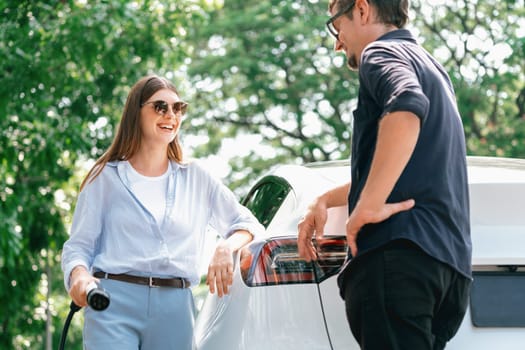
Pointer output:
x,y
277,261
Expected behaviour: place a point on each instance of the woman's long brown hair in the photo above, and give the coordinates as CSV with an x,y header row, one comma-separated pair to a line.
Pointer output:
x,y
128,138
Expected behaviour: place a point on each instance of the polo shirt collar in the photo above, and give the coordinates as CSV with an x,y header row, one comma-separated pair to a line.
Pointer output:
x,y
398,34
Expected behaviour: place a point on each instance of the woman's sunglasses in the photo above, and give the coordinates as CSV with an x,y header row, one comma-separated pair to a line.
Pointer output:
x,y
161,107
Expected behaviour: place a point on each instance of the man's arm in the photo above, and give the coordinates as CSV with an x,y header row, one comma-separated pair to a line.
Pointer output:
x,y
315,219
397,137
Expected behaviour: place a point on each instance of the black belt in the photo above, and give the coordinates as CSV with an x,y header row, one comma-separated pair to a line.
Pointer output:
x,y
146,281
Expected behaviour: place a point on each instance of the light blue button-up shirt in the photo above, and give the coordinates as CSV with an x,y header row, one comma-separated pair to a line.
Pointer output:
x,y
113,232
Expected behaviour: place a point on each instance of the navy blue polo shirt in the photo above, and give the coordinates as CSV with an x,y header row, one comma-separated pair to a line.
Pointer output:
x,y
397,74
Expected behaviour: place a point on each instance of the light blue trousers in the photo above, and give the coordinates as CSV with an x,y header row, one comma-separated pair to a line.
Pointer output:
x,y
141,317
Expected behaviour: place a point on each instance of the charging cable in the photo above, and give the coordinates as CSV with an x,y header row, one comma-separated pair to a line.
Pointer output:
x,y
97,299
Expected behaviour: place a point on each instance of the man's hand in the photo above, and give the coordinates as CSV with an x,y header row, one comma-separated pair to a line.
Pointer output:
x,y
361,216
315,219
313,222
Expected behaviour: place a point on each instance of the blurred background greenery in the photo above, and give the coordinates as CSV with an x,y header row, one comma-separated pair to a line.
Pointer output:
x,y
265,87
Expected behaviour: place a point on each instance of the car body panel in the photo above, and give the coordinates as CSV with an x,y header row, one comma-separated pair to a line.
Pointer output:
x,y
470,337
240,321
312,316
334,311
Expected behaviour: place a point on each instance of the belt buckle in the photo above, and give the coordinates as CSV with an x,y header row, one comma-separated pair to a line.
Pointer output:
x,y
151,285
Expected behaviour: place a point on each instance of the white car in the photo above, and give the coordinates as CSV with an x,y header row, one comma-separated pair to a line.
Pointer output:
x,y
278,301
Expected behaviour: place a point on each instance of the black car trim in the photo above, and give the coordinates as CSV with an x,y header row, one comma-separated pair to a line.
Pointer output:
x,y
497,299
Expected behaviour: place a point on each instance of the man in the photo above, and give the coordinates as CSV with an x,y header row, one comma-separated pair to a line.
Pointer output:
x,y
407,279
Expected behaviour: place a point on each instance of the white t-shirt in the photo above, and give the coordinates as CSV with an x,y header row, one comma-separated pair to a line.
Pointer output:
x,y
150,190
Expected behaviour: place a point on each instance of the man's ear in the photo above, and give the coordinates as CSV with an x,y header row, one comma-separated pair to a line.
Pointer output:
x,y
363,9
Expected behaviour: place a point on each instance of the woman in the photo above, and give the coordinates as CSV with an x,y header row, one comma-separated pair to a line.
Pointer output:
x,y
139,227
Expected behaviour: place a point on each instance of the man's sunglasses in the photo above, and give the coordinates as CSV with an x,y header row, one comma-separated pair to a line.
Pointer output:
x,y
330,23
162,107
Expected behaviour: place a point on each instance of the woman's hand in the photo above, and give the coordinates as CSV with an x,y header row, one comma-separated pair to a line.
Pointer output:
x,y
220,271
80,278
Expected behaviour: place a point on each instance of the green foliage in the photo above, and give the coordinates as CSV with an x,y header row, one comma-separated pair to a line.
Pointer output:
x,y
485,60
248,67
266,68
67,66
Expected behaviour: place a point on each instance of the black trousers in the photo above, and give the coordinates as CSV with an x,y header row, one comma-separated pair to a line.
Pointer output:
x,y
399,298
